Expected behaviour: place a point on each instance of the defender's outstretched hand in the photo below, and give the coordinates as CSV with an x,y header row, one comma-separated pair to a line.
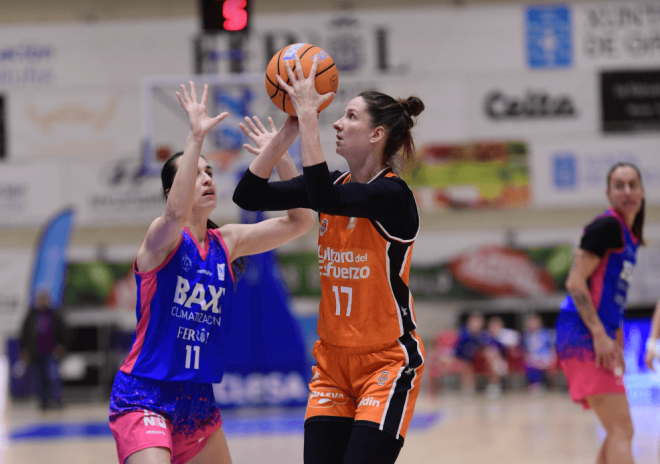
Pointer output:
x,y
200,122
261,136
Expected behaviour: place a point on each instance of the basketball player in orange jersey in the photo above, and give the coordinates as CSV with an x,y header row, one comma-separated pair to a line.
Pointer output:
x,y
369,359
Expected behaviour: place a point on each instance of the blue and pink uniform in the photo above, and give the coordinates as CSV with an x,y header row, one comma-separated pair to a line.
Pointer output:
x,y
184,310
608,287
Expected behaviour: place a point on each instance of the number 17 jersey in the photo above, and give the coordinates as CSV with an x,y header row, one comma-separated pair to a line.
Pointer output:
x,y
364,281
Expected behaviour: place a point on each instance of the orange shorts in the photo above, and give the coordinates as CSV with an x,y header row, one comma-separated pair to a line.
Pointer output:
x,y
375,386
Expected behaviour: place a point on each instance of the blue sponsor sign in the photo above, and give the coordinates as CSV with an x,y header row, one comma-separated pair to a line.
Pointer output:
x,y
564,171
549,37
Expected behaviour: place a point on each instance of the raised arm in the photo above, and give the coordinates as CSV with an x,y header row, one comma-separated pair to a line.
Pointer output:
x,y
164,232
306,101
249,239
608,354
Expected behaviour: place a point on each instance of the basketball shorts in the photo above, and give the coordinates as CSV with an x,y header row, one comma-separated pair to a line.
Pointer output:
x,y
147,413
140,430
376,386
585,379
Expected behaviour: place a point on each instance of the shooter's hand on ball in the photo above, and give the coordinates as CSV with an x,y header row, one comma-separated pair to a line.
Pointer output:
x,y
200,122
256,131
302,91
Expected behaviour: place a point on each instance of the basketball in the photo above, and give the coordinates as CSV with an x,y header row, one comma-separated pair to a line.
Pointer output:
x,y
327,78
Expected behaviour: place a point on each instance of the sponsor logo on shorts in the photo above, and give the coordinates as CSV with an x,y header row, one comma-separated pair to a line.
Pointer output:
x,y
154,420
369,401
326,398
383,377
317,377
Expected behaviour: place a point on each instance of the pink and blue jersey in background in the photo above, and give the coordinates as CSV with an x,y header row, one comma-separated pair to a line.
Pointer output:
x,y
608,287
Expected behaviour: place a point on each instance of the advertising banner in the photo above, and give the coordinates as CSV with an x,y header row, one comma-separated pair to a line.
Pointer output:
x,y
472,176
488,271
29,193
49,270
574,174
74,124
15,267
630,100
534,104
624,33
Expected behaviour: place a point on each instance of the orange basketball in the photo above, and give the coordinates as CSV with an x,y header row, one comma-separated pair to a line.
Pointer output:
x,y
327,78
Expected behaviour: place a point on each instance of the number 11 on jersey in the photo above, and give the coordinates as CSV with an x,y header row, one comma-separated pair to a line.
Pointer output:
x,y
189,352
349,292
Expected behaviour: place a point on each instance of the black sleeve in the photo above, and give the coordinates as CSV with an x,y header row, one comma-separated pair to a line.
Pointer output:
x,y
254,193
387,200
602,234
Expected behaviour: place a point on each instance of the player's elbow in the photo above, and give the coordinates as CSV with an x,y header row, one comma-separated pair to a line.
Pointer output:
x,y
247,202
574,283
302,219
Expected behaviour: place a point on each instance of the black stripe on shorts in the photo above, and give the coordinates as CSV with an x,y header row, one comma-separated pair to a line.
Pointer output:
x,y
396,403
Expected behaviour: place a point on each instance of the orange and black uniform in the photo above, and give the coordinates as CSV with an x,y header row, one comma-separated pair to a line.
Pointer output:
x,y
369,359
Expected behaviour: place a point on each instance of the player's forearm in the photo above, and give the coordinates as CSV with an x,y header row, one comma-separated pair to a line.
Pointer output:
x,y
262,166
286,168
310,140
580,293
181,195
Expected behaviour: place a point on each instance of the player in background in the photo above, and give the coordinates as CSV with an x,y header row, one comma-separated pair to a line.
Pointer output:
x,y
162,406
589,325
369,361
652,342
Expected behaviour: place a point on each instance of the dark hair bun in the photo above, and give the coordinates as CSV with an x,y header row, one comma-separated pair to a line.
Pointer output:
x,y
412,105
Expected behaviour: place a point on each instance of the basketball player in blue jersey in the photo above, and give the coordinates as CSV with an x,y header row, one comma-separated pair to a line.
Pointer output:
x,y
589,326
162,406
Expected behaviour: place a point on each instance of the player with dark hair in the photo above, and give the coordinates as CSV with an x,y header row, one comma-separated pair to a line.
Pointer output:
x,y
589,326
162,405
369,361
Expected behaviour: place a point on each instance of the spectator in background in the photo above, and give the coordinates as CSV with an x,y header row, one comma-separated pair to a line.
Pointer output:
x,y
475,348
505,337
540,356
43,342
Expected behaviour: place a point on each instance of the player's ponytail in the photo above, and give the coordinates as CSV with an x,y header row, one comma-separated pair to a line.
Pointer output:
x,y
167,174
638,224
398,118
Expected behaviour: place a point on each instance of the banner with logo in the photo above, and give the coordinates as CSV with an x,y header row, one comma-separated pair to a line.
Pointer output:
x,y
570,174
268,364
474,176
15,267
73,92
482,272
49,270
29,193
534,104
630,100
623,33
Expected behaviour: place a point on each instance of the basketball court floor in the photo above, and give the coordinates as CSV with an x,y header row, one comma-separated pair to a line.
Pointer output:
x,y
448,429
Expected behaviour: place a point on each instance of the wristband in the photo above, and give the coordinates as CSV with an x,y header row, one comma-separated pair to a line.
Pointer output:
x,y
651,344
